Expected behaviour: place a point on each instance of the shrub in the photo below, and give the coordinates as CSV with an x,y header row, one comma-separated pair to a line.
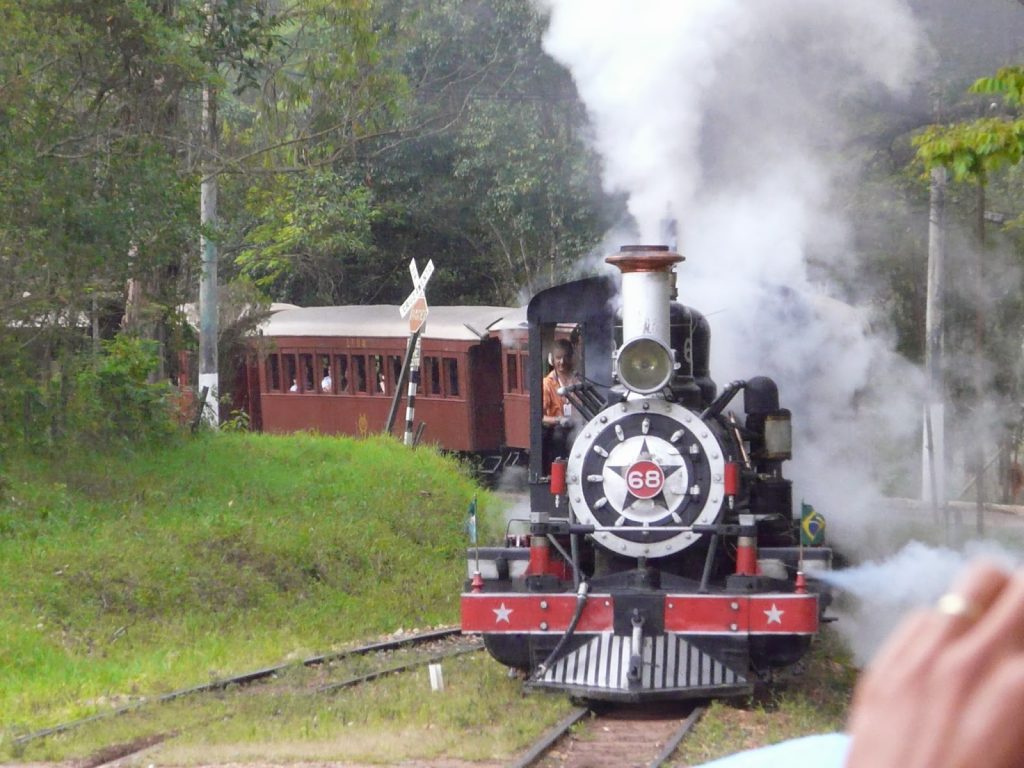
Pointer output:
x,y
112,397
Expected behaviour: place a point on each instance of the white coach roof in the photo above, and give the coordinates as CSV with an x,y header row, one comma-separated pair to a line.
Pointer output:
x,y
462,323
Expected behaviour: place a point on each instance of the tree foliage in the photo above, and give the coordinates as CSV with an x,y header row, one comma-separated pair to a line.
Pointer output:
x,y
462,141
975,149
493,174
354,135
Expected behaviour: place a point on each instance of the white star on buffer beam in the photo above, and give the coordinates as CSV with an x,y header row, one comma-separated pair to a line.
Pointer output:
x,y
774,615
502,614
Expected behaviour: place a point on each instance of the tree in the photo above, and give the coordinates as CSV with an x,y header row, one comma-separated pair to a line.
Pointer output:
x,y
976,152
463,142
89,192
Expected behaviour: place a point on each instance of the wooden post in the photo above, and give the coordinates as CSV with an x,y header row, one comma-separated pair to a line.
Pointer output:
x,y
402,379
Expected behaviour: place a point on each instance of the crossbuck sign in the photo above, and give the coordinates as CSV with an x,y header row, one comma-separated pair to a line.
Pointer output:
x,y
415,306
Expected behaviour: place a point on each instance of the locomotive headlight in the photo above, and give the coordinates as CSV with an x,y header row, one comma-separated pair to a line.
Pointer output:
x,y
644,365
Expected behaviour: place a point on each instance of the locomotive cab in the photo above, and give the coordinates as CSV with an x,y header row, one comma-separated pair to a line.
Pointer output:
x,y
663,559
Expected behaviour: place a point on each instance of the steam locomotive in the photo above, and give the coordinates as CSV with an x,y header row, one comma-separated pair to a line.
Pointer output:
x,y
662,558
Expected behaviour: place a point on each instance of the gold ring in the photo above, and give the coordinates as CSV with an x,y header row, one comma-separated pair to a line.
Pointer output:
x,y
952,604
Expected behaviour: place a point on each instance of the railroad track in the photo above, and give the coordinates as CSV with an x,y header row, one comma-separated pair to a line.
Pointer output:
x,y
620,737
266,673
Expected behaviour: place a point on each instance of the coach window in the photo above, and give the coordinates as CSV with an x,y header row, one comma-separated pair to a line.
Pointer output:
x,y
395,366
326,377
378,373
273,373
511,372
306,365
424,385
359,371
433,377
290,373
451,370
342,383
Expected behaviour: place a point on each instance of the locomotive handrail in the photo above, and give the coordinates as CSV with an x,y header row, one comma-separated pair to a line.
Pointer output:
x,y
655,528
584,397
723,399
562,526
577,574
726,529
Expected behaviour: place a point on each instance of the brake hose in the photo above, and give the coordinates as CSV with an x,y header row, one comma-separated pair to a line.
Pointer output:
x,y
581,601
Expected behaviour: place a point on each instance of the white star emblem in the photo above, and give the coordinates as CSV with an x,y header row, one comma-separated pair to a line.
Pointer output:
x,y
502,613
774,615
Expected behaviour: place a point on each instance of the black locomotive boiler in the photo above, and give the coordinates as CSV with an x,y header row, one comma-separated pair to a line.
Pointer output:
x,y
663,559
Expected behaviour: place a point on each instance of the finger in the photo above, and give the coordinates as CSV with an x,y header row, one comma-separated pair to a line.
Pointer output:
x,y
973,593
1000,628
925,634
985,624
990,720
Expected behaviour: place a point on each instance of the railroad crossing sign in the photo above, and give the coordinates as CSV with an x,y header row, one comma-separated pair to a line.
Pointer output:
x,y
415,306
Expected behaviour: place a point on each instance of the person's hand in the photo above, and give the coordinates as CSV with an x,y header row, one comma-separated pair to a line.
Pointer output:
x,y
563,421
947,690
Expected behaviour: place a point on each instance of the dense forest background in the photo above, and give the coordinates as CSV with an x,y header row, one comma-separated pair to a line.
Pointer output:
x,y
353,135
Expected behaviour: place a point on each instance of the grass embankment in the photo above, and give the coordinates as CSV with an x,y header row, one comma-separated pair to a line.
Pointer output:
x,y
130,575
125,576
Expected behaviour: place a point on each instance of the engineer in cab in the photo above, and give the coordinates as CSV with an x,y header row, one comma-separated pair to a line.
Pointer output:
x,y
557,417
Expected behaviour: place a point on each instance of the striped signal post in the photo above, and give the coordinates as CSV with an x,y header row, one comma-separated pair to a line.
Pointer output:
x,y
414,383
415,308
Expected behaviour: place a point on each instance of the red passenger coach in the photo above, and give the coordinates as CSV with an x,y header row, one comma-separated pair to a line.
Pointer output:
x,y
335,370
513,333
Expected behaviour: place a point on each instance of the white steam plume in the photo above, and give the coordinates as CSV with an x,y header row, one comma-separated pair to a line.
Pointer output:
x,y
724,117
875,595
654,74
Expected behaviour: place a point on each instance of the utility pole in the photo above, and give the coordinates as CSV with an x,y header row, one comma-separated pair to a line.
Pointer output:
x,y
979,351
208,325
933,464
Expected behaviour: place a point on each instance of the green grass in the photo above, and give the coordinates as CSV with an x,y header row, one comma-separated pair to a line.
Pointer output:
x,y
393,720
124,576
813,700
127,575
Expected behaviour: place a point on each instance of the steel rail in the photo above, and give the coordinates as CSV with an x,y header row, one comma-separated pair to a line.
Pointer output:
x,y
537,751
479,646
242,679
551,737
676,738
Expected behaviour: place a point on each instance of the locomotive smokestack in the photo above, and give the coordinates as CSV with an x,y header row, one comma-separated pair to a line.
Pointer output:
x,y
646,290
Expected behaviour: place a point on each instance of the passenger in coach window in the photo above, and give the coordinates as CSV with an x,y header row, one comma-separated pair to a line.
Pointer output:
x,y
294,387
325,382
946,690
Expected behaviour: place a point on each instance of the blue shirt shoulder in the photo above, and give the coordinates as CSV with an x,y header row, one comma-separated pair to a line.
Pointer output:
x,y
823,751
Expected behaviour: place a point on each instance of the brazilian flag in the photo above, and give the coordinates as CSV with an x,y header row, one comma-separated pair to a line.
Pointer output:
x,y
812,526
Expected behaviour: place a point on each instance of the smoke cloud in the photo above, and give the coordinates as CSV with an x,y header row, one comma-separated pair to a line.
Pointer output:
x,y
724,123
875,595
